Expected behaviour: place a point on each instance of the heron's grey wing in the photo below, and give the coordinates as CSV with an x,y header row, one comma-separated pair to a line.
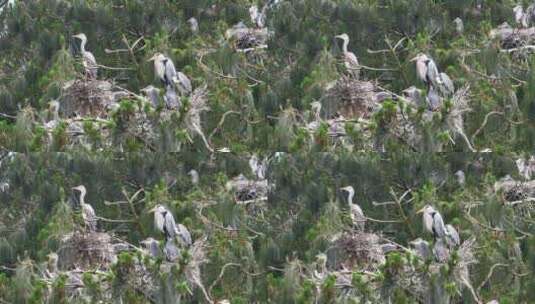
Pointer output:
x,y
447,84
433,99
170,71
441,251
90,64
169,223
453,235
159,220
171,251
438,225
184,234
432,73
184,82
172,100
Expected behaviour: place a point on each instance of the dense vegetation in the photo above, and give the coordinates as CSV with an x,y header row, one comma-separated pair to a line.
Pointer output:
x,y
262,102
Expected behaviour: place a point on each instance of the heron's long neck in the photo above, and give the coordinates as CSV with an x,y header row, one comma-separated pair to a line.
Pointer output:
x,y
344,46
82,198
82,45
350,198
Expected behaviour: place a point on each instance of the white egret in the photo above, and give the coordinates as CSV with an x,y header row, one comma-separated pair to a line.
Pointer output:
x,y
88,213
433,221
426,69
164,221
355,212
350,60
88,59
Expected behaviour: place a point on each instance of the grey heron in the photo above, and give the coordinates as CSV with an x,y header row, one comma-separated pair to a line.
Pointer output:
x,y
153,94
350,60
258,167
426,69
445,85
441,251
88,59
452,236
171,99
164,221
171,251
434,100
526,168
421,248
355,212
88,213
183,84
183,235
165,70
524,18
459,25
414,95
433,221
151,247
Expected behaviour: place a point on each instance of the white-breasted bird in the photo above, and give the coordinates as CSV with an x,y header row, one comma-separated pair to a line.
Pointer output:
x,y
426,69
88,213
165,70
350,59
164,221
433,221
88,59
459,25
355,212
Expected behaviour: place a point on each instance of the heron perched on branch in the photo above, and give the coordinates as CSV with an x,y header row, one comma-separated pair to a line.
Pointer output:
x,y
355,212
165,222
88,213
350,60
524,18
164,68
433,221
88,59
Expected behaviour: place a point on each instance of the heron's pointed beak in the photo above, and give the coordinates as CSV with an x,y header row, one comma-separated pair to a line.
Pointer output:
x,y
152,210
152,58
420,211
415,58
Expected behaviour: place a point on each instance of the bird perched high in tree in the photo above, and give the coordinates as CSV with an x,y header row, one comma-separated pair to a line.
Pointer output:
x,y
355,212
164,68
88,59
165,223
426,70
88,213
433,222
350,60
